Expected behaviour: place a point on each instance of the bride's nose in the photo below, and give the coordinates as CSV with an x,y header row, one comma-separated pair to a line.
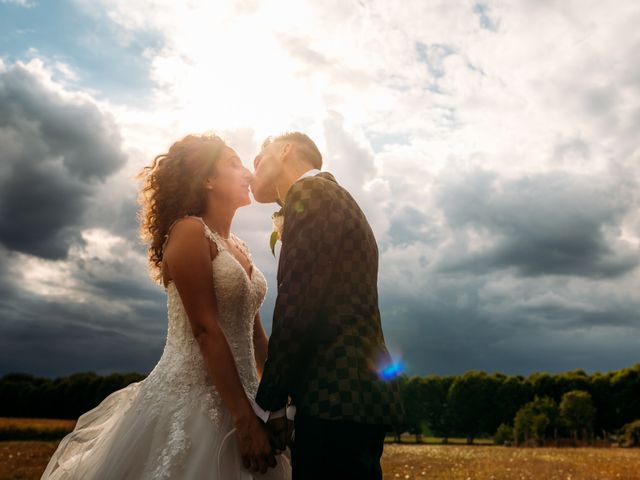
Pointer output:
x,y
248,176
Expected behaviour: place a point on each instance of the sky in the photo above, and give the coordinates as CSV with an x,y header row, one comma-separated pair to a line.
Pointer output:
x,y
493,146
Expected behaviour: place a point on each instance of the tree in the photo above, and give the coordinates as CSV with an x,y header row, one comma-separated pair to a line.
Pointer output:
x,y
625,391
402,381
23,395
503,435
413,399
542,384
630,434
577,412
471,403
603,401
573,380
436,407
511,394
536,421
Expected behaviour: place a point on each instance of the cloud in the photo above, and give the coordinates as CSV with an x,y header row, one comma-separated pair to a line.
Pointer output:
x,y
55,146
94,310
19,3
492,145
73,277
450,322
484,17
544,224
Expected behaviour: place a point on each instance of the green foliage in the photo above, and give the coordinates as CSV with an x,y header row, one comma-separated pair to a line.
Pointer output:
x,y
471,403
436,407
503,435
511,393
12,432
630,434
536,420
468,405
413,400
625,393
272,242
577,412
66,397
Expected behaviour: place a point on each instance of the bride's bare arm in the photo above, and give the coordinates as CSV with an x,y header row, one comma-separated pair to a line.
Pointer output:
x,y
188,260
260,344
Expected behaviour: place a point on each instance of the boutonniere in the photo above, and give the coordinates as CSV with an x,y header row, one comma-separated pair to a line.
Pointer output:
x,y
278,222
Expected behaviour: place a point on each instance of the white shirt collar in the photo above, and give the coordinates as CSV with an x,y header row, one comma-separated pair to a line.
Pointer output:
x,y
311,173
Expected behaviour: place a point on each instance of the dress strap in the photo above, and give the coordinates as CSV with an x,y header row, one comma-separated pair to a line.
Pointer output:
x,y
208,233
244,248
166,237
212,235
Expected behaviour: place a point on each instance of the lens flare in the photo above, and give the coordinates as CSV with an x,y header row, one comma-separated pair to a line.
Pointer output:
x,y
391,370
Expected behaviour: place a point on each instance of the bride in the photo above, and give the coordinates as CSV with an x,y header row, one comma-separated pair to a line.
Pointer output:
x,y
192,417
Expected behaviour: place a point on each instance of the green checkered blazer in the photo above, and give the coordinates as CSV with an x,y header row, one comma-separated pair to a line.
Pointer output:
x,y
326,345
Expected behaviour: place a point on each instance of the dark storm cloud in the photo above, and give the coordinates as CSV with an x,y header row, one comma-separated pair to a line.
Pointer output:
x,y
545,224
121,329
451,329
52,345
59,152
516,275
410,225
54,149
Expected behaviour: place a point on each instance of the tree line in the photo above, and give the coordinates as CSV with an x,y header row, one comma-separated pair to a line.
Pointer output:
x,y
24,395
542,405
475,404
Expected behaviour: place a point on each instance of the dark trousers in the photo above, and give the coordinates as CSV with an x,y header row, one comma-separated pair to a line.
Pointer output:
x,y
330,449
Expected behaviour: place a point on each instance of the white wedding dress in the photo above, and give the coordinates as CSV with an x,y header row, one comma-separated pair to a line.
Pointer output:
x,y
173,424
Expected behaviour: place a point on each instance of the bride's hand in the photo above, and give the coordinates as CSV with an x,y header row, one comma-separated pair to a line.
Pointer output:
x,y
255,449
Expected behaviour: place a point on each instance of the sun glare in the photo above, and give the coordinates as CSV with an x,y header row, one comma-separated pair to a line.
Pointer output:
x,y
234,74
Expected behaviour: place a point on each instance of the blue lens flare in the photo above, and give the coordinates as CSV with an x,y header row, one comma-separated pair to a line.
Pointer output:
x,y
391,371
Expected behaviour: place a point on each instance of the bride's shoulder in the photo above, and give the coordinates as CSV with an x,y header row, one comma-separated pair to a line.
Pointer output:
x,y
185,227
185,233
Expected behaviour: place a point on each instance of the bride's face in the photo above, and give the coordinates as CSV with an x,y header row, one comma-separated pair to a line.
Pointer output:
x,y
267,169
231,181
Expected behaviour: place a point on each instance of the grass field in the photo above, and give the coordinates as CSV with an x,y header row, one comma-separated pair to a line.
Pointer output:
x,y
27,460
34,428
456,462
43,423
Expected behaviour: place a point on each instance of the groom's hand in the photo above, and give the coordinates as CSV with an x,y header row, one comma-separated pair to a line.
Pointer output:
x,y
280,431
255,448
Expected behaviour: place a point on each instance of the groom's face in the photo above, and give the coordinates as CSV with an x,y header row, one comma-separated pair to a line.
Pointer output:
x,y
268,166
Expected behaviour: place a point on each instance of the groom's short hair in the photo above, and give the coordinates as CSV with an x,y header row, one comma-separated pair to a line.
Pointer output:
x,y
305,146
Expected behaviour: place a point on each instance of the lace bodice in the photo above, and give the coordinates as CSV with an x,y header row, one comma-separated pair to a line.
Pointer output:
x,y
181,370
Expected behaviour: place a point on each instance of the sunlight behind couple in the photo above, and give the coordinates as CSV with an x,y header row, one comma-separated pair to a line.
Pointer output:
x,y
235,74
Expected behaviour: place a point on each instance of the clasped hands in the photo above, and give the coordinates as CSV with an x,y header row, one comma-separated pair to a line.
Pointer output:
x,y
280,431
260,442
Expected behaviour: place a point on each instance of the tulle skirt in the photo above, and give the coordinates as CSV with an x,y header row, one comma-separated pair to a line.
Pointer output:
x,y
123,438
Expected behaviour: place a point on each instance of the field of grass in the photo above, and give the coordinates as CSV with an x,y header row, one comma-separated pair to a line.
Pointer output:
x,y
34,428
407,438
24,460
454,462
27,460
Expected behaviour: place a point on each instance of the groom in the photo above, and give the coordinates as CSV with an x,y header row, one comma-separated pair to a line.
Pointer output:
x,y
326,351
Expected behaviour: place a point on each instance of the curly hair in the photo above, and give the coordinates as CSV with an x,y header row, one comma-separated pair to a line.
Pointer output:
x,y
172,187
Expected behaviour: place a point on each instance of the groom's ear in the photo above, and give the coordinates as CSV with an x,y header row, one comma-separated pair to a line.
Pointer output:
x,y
286,150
